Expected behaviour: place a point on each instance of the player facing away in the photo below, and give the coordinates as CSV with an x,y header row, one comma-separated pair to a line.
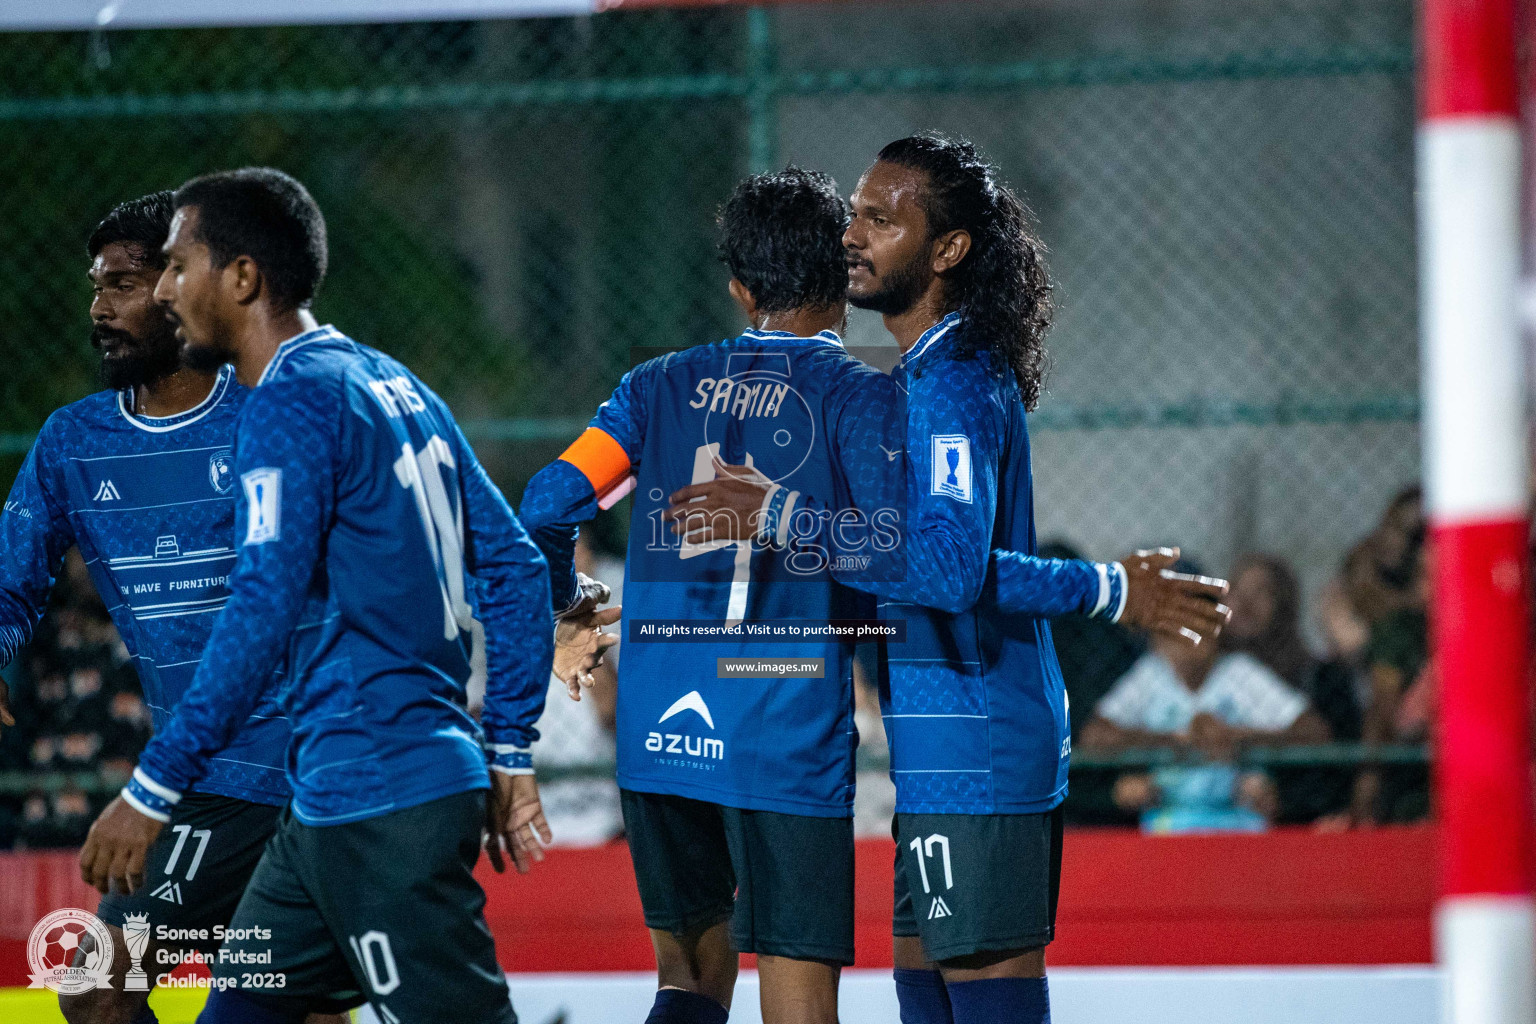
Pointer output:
x,y
974,705
141,477
370,540
737,790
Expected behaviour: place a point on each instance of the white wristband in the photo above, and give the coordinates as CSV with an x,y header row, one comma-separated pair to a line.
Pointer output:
x,y
1125,589
1103,599
785,514
143,808
763,523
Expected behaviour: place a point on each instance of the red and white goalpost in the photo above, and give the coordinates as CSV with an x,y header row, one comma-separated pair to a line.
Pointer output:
x,y
1475,473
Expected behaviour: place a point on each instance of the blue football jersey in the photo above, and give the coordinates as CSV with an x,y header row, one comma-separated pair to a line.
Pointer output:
x,y
974,704
812,418
370,540
151,503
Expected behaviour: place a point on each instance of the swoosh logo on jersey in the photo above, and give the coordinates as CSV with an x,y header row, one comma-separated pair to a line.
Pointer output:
x,y
690,701
890,456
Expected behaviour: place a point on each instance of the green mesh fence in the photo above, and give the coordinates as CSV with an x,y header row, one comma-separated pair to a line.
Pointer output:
x,y
1226,188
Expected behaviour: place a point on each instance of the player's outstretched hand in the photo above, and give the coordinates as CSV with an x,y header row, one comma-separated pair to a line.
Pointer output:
x,y
579,647
6,718
1175,604
515,822
113,855
725,508
593,593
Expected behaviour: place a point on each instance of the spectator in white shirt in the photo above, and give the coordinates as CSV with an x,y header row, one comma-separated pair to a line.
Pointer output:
x,y
1206,706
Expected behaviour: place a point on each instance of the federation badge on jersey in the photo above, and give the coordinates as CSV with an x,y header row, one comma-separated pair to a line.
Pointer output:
x,y
264,504
952,466
221,471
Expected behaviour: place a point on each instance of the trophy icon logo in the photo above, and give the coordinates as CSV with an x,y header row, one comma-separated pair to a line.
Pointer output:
x,y
136,937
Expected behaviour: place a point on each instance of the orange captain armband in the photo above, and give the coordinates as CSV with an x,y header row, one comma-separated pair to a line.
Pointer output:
x,y
602,461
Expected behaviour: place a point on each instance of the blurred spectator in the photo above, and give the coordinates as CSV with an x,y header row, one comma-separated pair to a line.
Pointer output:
x,y
59,820
583,811
1376,579
1203,705
1400,705
78,709
1266,623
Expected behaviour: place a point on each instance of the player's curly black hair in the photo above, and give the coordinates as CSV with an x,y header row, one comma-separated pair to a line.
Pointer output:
x,y
781,235
1001,288
269,216
139,225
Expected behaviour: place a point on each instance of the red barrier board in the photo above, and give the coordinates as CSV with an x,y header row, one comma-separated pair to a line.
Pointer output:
x,y
1287,897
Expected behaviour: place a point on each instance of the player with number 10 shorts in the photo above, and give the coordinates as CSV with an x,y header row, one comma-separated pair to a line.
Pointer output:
x,y
370,541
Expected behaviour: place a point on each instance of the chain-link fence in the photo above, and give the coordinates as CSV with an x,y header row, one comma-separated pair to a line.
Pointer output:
x,y
1226,188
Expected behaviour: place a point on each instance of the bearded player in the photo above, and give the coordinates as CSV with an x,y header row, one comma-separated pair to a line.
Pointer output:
x,y
371,541
141,477
974,704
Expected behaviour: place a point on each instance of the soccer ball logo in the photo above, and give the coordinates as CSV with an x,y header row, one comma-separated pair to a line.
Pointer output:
x,y
70,951
65,942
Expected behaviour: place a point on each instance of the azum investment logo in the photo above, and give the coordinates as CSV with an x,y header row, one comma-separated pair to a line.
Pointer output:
x,y
700,747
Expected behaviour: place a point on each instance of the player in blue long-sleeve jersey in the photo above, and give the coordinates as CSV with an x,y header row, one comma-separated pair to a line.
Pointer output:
x,y
140,477
737,789
974,703
370,541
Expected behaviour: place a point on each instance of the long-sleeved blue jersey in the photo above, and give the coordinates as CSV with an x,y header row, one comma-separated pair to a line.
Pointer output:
x,y
808,415
976,710
151,503
370,539
974,704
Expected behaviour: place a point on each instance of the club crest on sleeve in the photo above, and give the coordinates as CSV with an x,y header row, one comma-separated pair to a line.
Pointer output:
x,y
952,466
264,504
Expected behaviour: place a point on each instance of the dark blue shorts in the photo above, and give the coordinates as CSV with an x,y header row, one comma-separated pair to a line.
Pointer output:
x,y
196,871
977,883
784,881
384,910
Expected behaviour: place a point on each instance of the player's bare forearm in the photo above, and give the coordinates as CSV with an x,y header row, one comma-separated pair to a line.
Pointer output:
x,y
728,507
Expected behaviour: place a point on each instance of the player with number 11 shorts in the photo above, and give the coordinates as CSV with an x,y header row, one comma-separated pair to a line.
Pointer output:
x,y
370,542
